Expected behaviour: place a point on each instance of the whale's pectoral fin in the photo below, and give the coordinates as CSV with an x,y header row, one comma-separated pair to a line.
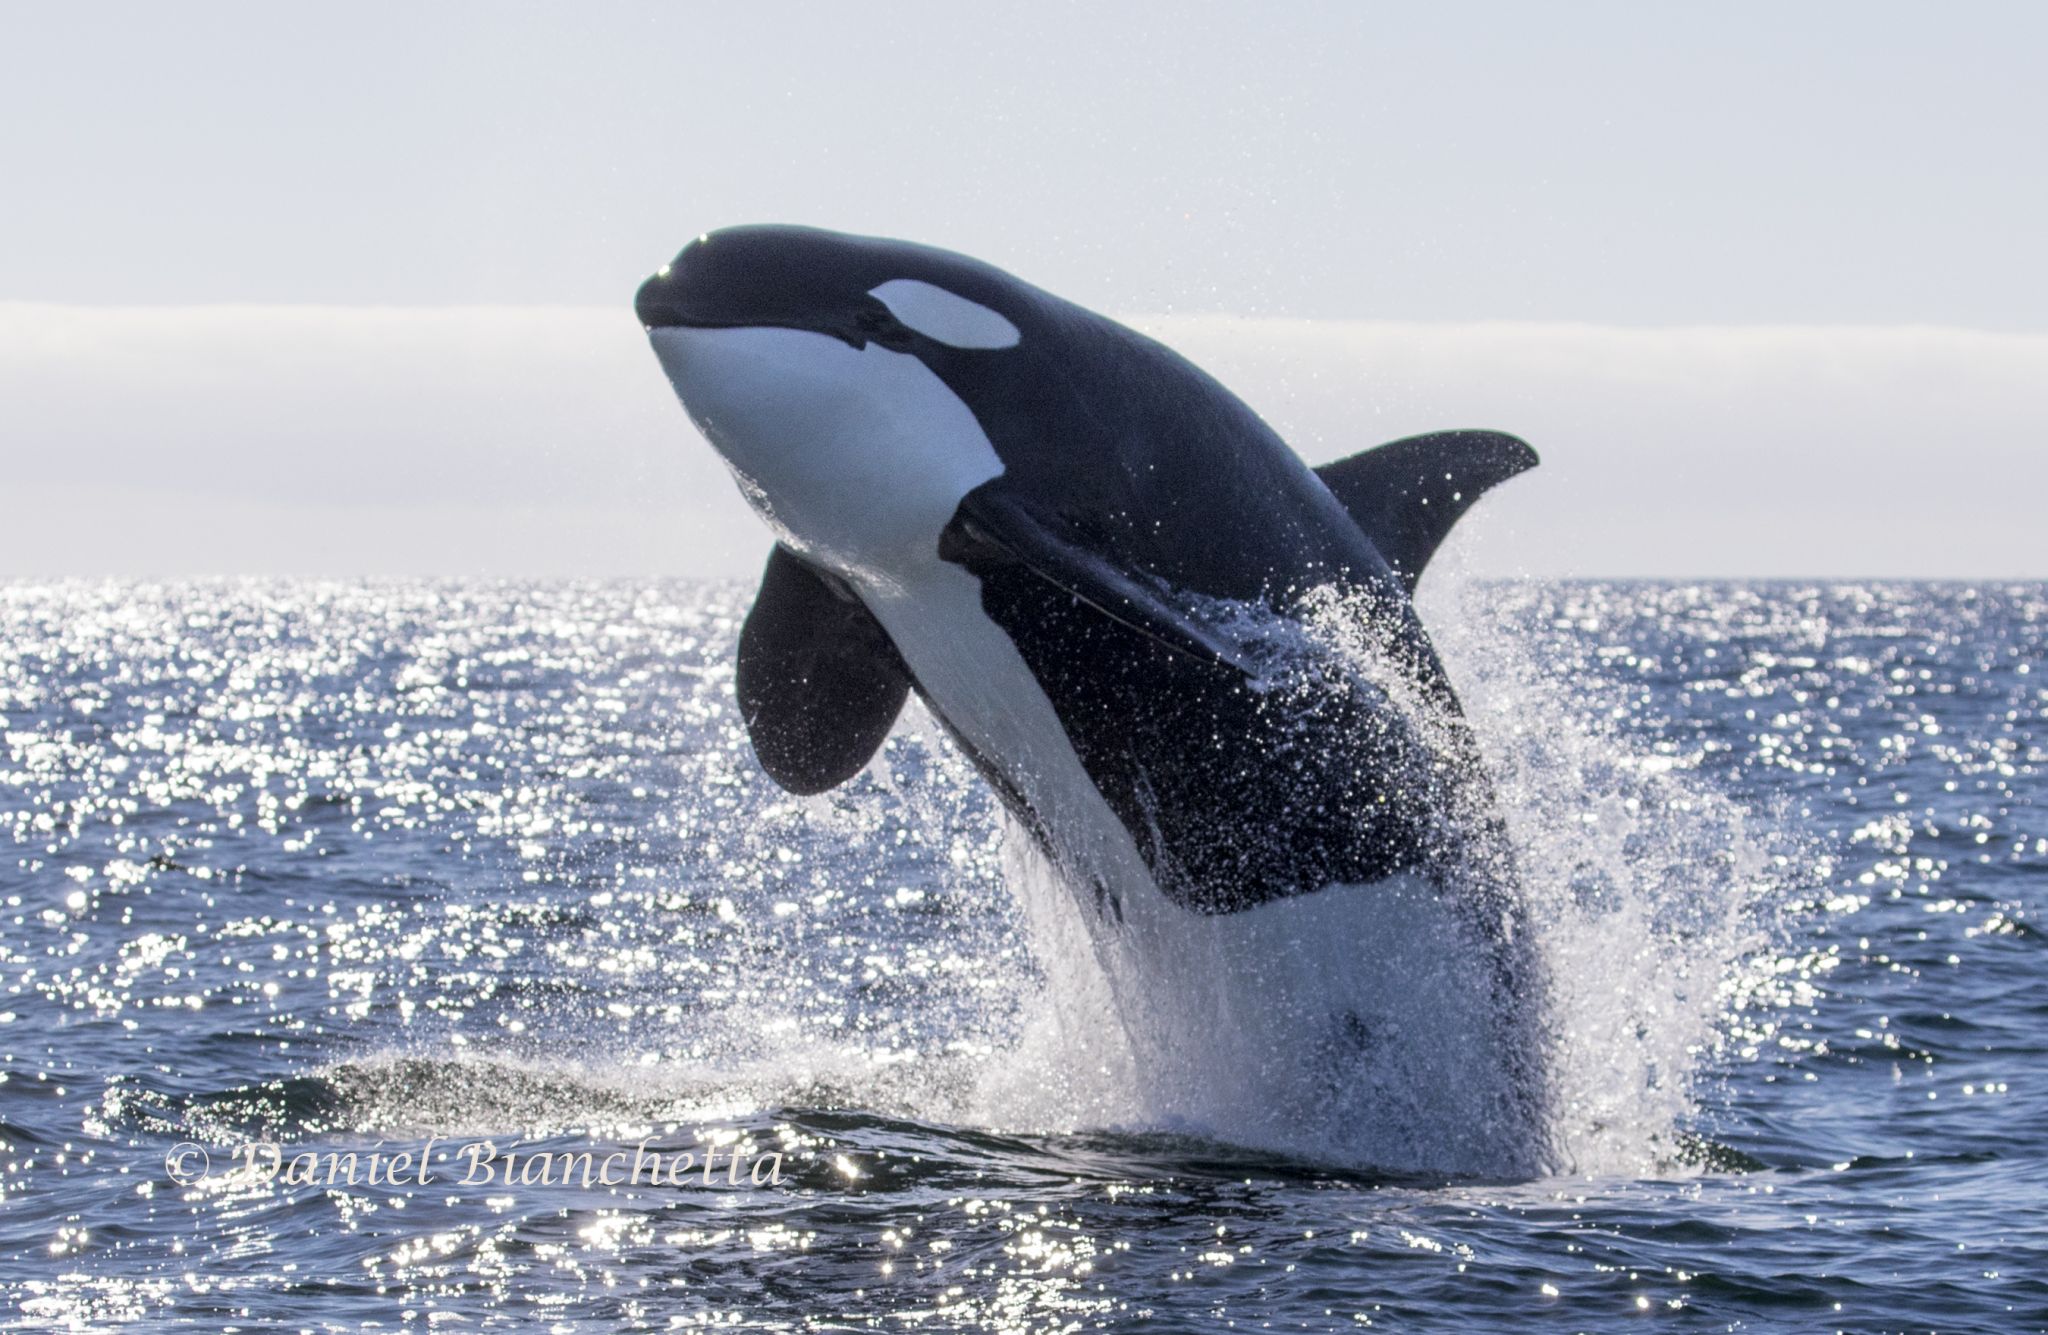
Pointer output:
x,y
990,528
820,683
1406,494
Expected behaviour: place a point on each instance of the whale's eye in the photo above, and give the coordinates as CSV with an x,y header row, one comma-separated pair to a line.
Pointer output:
x,y
946,317
875,324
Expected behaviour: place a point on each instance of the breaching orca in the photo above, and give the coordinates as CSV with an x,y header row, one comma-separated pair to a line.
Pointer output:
x,y
1082,552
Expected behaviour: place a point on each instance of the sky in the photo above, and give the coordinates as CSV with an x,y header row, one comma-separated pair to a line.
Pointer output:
x,y
346,289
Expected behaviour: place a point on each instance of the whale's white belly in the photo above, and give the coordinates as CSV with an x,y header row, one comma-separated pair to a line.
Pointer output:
x,y
970,670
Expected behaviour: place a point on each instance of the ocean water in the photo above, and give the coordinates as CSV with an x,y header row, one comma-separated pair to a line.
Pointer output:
x,y
483,875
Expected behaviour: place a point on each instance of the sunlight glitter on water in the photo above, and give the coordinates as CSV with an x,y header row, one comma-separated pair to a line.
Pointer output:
x,y
351,865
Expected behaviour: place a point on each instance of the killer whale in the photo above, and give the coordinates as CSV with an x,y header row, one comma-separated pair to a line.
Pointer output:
x,y
1073,545
1123,481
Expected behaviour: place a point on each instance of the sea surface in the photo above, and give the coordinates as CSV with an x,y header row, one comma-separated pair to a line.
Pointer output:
x,y
486,873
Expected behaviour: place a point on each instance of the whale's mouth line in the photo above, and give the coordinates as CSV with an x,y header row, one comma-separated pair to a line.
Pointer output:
x,y
669,300
854,339
681,321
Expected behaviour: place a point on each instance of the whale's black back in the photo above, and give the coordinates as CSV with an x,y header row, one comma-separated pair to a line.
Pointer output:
x,y
1240,775
1233,794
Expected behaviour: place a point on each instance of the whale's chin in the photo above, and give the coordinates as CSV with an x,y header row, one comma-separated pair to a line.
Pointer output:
x,y
856,457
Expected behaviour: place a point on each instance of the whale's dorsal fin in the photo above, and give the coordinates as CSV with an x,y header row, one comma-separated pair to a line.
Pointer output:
x,y
820,682
1407,493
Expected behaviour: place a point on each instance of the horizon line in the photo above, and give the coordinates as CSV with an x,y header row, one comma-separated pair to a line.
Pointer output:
x,y
624,308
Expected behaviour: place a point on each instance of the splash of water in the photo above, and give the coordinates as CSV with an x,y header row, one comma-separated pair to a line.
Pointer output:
x,y
1648,886
1641,883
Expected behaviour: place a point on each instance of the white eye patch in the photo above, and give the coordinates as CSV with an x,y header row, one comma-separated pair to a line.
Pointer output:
x,y
944,316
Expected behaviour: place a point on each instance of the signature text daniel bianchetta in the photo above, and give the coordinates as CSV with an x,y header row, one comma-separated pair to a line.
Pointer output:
x,y
478,1163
